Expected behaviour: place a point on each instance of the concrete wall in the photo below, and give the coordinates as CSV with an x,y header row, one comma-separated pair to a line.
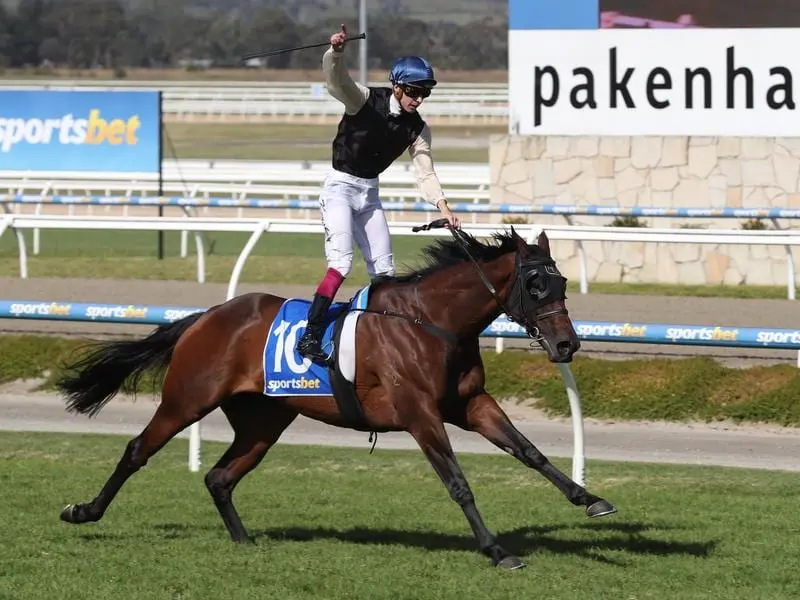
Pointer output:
x,y
655,171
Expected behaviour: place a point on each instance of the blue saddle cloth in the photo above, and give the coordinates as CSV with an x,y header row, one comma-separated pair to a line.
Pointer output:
x,y
286,372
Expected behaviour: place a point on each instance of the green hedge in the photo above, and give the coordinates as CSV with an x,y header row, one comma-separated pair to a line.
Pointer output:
x,y
692,389
697,388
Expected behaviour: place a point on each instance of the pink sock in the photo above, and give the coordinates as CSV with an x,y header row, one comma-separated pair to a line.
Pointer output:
x,y
330,283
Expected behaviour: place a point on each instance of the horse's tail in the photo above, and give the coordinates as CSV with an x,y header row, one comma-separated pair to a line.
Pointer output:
x,y
111,367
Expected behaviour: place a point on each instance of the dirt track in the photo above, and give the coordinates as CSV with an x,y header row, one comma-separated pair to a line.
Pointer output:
x,y
657,309
701,444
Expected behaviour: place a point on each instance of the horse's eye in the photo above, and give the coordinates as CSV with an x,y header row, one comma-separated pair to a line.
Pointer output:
x,y
534,282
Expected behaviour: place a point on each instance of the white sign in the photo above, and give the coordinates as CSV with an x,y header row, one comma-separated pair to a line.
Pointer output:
x,y
712,82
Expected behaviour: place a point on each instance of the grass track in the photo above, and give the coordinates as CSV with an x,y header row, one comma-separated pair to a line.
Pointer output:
x,y
340,523
254,141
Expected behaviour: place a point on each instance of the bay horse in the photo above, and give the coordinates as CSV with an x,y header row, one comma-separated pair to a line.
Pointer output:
x,y
419,367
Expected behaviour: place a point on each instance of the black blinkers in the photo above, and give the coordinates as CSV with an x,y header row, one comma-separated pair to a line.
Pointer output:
x,y
538,283
543,282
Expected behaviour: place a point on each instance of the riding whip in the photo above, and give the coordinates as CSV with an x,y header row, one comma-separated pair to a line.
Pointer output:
x,y
435,224
246,57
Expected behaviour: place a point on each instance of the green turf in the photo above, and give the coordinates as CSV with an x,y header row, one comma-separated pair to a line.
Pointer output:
x,y
255,141
284,258
343,524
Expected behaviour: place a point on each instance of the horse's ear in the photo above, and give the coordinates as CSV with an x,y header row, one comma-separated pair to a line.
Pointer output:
x,y
521,244
544,242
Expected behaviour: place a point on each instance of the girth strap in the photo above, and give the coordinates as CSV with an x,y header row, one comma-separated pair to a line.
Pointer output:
x,y
429,327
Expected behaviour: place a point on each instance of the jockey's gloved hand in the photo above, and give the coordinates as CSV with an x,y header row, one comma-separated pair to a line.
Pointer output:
x,y
454,221
338,39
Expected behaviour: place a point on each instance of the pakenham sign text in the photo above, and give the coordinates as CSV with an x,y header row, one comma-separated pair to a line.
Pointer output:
x,y
654,82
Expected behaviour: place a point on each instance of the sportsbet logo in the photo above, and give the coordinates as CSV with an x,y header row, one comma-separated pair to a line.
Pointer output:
x,y
68,130
303,383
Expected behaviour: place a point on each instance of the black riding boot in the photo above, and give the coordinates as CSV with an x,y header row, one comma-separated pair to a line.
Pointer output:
x,y
310,344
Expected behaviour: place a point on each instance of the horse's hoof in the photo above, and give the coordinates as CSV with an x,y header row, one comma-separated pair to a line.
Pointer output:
x,y
68,513
246,541
601,508
510,563
78,513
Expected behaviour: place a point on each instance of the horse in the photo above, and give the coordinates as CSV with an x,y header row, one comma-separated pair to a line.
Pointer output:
x,y
417,367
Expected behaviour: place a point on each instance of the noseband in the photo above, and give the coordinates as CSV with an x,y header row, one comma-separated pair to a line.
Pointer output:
x,y
537,283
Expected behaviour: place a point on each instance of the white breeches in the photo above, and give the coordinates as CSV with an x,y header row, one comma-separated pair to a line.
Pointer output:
x,y
351,210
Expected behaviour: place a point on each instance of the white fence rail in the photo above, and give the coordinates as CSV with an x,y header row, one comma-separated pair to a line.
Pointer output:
x,y
486,102
205,176
256,227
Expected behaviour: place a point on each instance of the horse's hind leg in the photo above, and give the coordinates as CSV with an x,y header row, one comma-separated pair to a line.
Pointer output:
x,y
170,418
257,423
485,416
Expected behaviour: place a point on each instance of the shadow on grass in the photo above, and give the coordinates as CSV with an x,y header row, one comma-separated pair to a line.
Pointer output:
x,y
632,538
624,537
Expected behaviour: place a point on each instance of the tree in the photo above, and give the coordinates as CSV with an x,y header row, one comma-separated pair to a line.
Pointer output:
x,y
273,29
479,44
150,33
6,37
28,31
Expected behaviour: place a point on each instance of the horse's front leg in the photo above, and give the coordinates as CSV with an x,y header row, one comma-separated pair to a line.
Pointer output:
x,y
483,415
434,442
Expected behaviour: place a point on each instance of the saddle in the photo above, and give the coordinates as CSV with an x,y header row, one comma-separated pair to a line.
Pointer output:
x,y
287,373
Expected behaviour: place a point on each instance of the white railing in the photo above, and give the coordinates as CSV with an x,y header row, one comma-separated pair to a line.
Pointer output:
x,y
205,174
307,110
206,181
788,239
486,102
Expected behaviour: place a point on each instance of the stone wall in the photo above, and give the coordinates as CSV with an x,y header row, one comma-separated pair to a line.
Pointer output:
x,y
679,171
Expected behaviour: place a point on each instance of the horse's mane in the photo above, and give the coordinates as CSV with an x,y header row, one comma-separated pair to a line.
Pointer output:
x,y
444,253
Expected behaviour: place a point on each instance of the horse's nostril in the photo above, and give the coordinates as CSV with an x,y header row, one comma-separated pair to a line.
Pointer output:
x,y
563,348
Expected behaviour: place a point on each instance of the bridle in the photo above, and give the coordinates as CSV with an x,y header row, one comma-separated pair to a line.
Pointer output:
x,y
538,283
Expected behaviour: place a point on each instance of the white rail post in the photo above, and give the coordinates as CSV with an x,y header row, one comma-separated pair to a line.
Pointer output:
x,y
578,453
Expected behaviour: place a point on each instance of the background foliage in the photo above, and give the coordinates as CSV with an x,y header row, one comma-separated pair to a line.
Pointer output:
x,y
453,34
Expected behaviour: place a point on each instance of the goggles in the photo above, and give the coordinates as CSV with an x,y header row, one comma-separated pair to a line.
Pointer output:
x,y
415,91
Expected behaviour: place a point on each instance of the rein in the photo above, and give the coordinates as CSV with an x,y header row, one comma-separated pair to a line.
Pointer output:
x,y
458,235
533,331
449,337
429,327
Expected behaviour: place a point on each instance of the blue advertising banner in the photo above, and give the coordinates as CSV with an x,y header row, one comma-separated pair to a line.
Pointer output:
x,y
53,130
83,311
593,331
663,333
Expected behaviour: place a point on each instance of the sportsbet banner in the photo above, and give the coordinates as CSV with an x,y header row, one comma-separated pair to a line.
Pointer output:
x,y
79,131
705,82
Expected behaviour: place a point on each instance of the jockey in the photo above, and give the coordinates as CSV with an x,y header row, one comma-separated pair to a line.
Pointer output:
x,y
378,125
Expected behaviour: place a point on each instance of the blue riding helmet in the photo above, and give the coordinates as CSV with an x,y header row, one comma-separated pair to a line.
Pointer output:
x,y
413,70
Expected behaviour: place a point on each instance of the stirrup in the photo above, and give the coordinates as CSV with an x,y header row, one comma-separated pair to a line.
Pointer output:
x,y
311,348
319,358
